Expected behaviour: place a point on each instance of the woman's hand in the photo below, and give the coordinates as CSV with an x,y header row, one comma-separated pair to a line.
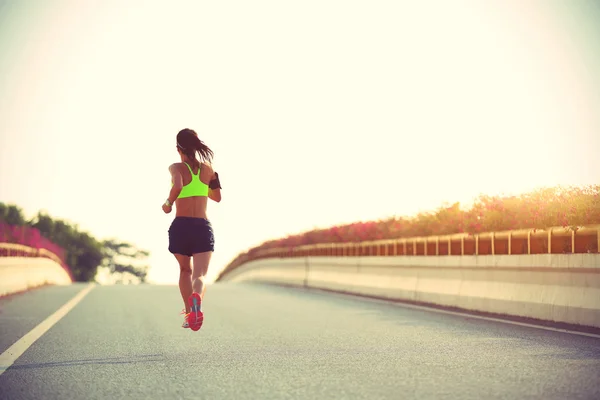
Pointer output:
x,y
166,208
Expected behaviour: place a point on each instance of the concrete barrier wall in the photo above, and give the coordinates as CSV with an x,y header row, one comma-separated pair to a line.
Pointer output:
x,y
21,273
559,288
291,271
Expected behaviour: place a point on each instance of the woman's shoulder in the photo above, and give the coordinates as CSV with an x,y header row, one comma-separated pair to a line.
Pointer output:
x,y
175,165
206,166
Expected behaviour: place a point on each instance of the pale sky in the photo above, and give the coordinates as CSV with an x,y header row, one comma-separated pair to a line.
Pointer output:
x,y
319,112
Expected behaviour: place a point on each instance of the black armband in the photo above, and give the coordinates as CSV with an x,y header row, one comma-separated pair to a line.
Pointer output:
x,y
215,183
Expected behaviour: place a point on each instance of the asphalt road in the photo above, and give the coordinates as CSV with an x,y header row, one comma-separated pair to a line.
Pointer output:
x,y
266,342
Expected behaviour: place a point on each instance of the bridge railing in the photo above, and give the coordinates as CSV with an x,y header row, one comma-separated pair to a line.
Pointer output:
x,y
553,240
20,250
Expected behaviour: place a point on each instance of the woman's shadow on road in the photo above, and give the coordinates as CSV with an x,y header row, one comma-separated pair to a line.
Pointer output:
x,y
94,361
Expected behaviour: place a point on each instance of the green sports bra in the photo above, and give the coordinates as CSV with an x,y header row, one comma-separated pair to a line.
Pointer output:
x,y
195,188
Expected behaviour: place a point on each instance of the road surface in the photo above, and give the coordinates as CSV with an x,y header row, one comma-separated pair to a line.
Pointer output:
x,y
267,342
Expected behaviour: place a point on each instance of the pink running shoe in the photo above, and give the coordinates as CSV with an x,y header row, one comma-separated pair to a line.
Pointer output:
x,y
195,317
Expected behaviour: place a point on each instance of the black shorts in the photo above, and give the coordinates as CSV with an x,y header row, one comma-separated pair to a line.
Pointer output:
x,y
188,236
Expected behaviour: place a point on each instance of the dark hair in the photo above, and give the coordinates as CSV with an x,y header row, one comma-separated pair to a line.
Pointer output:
x,y
190,144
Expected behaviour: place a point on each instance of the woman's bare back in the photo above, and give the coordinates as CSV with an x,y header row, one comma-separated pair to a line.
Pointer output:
x,y
193,206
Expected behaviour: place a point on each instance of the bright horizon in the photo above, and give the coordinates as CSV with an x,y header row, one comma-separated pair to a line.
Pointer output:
x,y
319,113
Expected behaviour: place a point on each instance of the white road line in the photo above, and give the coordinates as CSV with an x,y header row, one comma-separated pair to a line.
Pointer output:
x,y
460,314
17,349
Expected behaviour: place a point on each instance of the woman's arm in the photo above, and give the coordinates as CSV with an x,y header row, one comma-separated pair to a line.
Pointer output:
x,y
214,188
177,181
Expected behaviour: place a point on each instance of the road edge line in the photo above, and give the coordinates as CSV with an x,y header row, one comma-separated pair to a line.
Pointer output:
x,y
16,350
431,308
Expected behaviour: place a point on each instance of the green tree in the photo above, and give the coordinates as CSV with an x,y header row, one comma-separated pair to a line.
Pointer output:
x,y
86,255
12,215
121,258
83,252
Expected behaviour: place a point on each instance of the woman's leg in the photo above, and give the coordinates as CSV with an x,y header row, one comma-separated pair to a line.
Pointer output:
x,y
201,261
185,279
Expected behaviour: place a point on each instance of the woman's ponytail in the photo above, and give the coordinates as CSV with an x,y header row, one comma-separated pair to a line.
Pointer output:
x,y
190,144
204,152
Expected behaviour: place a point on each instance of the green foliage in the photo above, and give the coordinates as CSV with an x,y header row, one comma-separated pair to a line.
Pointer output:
x,y
11,214
119,258
84,254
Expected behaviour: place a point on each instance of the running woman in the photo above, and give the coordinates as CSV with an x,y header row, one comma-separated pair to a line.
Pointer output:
x,y
191,236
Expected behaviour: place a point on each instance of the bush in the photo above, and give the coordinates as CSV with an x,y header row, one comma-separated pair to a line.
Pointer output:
x,y
569,206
